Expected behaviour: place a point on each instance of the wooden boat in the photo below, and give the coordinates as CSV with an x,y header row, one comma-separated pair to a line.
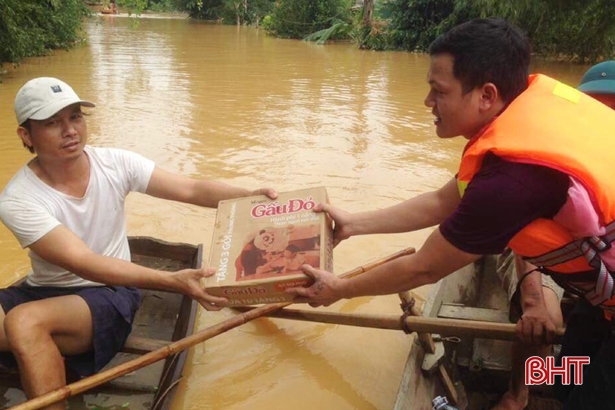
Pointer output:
x,y
479,368
163,317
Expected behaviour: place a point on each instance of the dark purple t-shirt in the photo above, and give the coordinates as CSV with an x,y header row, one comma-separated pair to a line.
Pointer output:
x,y
501,199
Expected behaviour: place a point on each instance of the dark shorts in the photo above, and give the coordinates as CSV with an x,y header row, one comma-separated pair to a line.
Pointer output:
x,y
113,310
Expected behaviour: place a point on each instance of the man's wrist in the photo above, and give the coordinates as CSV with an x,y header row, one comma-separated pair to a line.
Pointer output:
x,y
357,224
343,288
531,300
170,281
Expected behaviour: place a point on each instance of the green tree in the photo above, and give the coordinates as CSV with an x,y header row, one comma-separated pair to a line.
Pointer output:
x,y
201,9
229,11
299,18
33,27
581,31
245,11
414,24
138,6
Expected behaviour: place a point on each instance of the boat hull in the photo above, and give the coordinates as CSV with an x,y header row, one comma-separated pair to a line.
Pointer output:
x,y
163,317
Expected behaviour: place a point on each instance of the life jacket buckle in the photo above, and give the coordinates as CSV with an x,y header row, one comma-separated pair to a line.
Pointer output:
x,y
608,243
594,243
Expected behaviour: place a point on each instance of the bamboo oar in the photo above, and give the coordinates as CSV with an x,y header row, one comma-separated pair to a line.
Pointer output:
x,y
89,382
419,324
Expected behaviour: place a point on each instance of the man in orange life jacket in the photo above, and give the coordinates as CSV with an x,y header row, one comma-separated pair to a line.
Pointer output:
x,y
585,319
598,82
535,176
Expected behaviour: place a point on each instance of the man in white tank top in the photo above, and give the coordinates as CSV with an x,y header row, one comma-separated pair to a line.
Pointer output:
x,y
67,207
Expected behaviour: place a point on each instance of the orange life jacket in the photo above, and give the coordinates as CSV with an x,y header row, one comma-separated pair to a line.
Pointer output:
x,y
554,125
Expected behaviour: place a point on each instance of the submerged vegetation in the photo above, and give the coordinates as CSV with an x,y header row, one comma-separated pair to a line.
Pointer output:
x,y
299,18
239,12
33,27
579,31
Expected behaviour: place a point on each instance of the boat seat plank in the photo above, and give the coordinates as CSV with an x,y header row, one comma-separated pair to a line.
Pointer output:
x,y
455,311
142,345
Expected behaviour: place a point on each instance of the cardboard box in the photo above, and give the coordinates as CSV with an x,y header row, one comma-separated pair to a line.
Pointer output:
x,y
259,246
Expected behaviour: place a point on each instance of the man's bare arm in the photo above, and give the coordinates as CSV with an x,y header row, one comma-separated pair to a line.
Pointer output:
x,y
423,211
201,192
536,326
435,260
63,248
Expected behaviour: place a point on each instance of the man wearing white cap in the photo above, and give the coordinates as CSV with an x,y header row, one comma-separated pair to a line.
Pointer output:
x,y
67,206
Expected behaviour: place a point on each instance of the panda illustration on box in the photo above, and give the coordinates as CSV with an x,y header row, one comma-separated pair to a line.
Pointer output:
x,y
260,249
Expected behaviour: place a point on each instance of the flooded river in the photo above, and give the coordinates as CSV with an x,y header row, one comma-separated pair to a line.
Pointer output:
x,y
235,105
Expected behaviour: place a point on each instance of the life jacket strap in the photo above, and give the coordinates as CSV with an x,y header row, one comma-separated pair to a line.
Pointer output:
x,y
575,248
589,247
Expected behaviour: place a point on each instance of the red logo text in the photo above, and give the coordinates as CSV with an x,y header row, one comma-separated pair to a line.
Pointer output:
x,y
540,371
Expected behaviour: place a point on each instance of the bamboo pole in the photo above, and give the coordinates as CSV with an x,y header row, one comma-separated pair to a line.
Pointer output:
x,y
90,382
419,324
426,340
429,346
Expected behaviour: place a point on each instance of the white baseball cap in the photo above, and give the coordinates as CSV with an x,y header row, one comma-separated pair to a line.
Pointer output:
x,y
43,97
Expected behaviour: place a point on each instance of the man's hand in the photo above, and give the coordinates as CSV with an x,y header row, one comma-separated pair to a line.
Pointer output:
x,y
343,221
270,192
535,326
325,290
189,283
